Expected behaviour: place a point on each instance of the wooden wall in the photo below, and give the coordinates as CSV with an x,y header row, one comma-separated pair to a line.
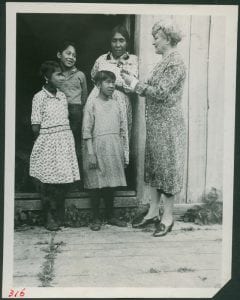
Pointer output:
x,y
203,51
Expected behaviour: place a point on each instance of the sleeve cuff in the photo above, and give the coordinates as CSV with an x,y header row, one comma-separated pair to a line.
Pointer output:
x,y
134,83
86,136
140,89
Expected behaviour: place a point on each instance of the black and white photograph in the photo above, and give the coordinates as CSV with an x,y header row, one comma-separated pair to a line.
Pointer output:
x,y
119,150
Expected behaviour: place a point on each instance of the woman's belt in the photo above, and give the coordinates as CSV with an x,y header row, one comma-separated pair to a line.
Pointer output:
x,y
54,129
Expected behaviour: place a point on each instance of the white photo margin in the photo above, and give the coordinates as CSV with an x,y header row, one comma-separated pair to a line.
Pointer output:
x,y
230,12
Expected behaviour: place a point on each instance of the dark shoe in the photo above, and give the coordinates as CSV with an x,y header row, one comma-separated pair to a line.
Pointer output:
x,y
117,222
96,225
145,222
162,230
52,226
61,223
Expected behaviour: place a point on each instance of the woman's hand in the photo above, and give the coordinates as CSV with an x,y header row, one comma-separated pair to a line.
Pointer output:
x,y
126,77
36,130
92,161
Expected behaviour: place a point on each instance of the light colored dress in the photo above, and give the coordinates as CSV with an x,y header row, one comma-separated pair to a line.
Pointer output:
x,y
165,126
122,94
53,158
103,123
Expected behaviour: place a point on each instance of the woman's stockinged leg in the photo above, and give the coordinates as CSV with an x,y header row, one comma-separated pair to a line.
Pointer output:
x,y
167,220
154,204
168,202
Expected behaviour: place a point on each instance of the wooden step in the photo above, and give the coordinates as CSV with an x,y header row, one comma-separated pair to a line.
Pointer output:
x,y
32,202
26,196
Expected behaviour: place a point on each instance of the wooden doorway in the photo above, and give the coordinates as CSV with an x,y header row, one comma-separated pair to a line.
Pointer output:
x,y
37,38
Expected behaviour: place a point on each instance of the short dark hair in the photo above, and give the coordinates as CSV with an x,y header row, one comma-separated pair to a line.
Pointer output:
x,y
103,75
48,67
122,30
63,45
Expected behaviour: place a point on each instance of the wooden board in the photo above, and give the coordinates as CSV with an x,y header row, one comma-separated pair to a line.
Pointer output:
x,y
84,203
184,23
216,82
121,257
72,195
139,126
198,107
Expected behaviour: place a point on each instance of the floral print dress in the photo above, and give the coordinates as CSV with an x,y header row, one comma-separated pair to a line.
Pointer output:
x,y
165,127
53,159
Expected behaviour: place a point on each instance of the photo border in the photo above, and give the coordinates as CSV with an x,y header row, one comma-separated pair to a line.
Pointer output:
x,y
10,139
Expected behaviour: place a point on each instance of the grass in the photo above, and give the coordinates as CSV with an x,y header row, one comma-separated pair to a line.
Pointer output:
x,y
179,270
209,212
47,274
185,270
42,243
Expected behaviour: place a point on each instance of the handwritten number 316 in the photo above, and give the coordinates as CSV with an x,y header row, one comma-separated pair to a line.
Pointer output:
x,y
13,293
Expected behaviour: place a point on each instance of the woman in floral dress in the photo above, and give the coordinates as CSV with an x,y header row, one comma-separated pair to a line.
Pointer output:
x,y
165,128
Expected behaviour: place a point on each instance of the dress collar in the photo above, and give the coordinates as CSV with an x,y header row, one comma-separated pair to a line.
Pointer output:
x,y
125,56
50,95
71,72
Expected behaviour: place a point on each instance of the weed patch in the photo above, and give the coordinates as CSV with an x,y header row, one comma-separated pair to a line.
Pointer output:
x,y
185,270
47,274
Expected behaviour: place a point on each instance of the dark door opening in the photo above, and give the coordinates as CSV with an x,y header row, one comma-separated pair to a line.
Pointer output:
x,y
37,38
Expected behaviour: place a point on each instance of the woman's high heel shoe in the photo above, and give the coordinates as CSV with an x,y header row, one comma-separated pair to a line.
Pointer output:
x,y
162,230
145,222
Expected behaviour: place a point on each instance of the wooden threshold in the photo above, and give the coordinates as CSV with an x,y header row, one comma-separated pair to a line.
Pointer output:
x,y
122,199
122,193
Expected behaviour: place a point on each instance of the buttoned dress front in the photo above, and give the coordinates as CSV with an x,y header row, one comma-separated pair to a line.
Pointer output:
x,y
53,159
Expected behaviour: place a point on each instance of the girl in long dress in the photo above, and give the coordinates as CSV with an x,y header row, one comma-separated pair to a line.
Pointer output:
x,y
105,149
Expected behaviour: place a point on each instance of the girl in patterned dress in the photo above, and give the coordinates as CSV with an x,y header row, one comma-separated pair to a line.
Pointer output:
x,y
53,159
75,89
105,151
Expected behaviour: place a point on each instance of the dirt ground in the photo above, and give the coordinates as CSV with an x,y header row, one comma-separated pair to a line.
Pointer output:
x,y
118,257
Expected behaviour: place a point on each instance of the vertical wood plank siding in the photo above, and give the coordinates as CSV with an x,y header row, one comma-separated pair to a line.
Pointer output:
x,y
197,107
203,51
216,74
